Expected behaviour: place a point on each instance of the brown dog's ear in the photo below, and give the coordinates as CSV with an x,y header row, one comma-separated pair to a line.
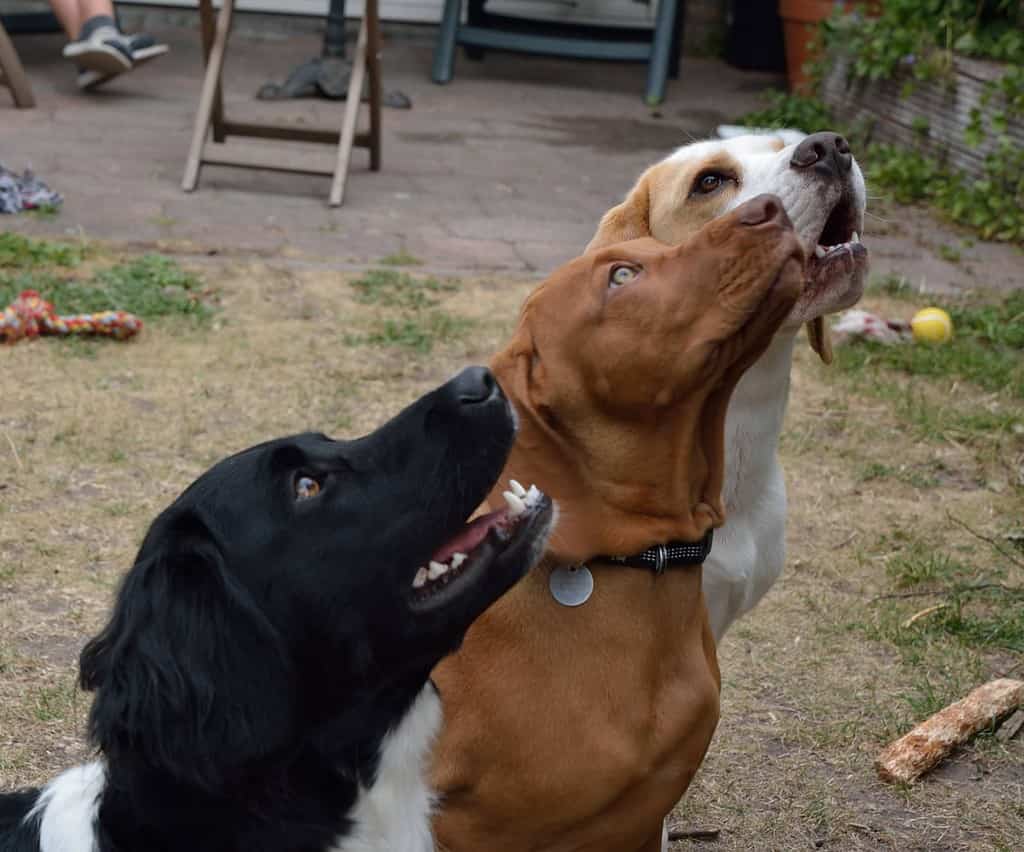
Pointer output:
x,y
820,337
629,220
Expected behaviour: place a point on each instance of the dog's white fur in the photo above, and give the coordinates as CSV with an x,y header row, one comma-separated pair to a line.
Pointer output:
x,y
749,551
393,815
67,808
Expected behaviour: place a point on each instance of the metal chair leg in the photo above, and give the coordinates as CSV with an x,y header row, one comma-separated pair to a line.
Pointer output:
x,y
661,49
373,70
444,52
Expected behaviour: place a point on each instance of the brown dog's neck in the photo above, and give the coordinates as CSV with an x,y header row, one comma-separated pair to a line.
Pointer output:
x,y
621,487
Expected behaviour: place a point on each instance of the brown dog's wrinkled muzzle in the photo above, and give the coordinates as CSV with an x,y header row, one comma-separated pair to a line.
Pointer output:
x,y
622,367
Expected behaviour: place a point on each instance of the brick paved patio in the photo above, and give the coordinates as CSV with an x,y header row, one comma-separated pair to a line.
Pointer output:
x,y
507,168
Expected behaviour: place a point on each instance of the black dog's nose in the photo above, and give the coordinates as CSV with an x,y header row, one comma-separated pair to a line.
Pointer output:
x,y
475,385
828,153
761,209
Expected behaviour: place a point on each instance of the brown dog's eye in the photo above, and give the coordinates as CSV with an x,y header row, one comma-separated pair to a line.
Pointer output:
x,y
621,276
709,182
306,487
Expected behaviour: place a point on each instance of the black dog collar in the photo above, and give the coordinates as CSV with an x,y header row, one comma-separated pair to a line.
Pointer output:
x,y
673,554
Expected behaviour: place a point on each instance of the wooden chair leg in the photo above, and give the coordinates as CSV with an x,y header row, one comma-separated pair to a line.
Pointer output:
x,y
208,30
348,125
208,98
373,69
13,73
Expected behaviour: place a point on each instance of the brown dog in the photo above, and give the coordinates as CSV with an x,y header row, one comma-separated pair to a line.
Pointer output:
x,y
578,729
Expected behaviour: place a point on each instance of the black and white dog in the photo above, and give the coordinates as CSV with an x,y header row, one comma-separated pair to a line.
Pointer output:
x,y
263,682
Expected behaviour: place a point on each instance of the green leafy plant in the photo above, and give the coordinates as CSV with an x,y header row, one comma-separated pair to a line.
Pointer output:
x,y
791,110
393,288
18,252
992,206
418,333
916,40
400,258
150,286
919,37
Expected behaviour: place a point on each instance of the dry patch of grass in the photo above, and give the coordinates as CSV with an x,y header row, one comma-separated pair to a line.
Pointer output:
x,y
816,680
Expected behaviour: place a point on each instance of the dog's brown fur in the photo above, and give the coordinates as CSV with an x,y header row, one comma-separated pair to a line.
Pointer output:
x,y
577,730
661,204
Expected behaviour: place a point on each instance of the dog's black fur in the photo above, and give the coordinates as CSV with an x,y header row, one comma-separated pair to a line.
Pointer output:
x,y
261,647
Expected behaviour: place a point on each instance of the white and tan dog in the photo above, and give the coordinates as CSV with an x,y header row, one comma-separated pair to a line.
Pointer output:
x,y
822,189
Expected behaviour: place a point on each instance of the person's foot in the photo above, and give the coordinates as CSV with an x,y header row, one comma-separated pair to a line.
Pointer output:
x,y
143,48
100,47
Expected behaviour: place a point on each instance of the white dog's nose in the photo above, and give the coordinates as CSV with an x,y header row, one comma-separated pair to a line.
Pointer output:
x,y
828,153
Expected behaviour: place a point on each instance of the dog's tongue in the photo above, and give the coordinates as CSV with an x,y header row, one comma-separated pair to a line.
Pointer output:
x,y
469,537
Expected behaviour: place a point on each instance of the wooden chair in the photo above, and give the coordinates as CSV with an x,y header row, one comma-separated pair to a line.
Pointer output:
x,y
12,74
222,151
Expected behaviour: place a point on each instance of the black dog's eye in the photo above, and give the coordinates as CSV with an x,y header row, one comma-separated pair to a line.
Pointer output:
x,y
306,487
709,182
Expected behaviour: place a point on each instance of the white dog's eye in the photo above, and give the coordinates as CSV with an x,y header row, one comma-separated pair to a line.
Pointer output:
x,y
306,487
621,276
709,182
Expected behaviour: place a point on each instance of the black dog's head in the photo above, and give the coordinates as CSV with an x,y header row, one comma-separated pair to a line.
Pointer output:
x,y
306,585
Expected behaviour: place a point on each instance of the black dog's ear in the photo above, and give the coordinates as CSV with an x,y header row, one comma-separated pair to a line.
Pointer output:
x,y
189,675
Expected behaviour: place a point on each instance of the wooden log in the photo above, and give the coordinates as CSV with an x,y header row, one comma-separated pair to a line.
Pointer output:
x,y
915,753
1010,728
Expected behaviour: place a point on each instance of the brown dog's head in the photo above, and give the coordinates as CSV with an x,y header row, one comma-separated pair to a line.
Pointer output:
x,y
622,367
821,187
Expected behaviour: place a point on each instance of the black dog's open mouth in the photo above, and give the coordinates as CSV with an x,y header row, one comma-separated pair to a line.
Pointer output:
x,y
507,535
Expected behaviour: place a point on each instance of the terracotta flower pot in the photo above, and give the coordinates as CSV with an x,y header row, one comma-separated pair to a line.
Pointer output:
x,y
800,21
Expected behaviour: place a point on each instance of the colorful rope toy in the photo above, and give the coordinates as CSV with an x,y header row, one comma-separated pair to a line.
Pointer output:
x,y
31,315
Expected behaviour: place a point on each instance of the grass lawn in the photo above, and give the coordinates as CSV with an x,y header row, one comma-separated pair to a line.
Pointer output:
x,y
906,477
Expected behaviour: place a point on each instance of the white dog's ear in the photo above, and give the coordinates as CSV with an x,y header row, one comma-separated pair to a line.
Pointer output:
x,y
788,135
629,220
820,336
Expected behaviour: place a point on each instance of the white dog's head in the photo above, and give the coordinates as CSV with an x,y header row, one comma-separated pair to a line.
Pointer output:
x,y
821,187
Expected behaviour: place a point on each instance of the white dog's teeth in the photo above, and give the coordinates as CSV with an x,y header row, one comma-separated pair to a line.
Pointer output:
x,y
517,489
516,506
819,251
855,238
458,559
420,580
436,570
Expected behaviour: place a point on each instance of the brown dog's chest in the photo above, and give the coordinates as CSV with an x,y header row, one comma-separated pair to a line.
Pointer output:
x,y
576,728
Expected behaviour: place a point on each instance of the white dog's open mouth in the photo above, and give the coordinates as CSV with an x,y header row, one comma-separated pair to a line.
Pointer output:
x,y
838,250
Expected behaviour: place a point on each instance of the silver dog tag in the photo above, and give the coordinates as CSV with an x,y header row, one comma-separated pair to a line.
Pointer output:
x,y
572,585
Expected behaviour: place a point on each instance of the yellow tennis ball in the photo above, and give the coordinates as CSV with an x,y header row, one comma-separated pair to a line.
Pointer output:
x,y
932,325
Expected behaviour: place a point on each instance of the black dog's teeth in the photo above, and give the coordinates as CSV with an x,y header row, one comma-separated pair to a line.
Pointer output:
x,y
436,575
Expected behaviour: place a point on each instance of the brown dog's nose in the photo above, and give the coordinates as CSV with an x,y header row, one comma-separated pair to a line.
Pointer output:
x,y
763,208
828,153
